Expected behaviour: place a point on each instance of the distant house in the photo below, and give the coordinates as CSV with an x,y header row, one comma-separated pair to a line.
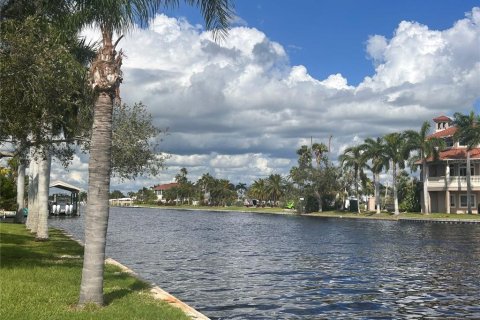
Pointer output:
x,y
160,188
121,202
446,176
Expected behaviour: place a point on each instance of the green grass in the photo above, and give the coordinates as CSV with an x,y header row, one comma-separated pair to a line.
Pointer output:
x,y
229,208
41,280
338,214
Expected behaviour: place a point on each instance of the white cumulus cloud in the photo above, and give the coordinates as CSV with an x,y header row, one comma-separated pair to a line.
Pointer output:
x,y
238,109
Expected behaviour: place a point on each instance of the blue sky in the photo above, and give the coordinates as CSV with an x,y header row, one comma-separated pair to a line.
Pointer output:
x,y
329,36
290,71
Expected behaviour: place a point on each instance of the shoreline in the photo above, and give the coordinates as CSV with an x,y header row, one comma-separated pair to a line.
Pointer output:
x,y
156,292
423,218
410,217
160,294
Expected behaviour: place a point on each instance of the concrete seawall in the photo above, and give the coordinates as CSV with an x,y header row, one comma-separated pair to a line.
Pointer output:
x,y
160,294
156,292
443,221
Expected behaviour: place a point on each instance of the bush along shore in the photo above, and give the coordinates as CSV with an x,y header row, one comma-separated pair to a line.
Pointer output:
x,y
41,280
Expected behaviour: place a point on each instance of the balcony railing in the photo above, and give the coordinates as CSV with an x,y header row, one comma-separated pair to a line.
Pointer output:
x,y
453,182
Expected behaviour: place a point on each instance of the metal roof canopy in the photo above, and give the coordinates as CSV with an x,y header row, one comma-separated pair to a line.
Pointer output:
x,y
65,186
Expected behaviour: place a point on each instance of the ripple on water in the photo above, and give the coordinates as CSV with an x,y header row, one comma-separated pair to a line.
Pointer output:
x,y
247,266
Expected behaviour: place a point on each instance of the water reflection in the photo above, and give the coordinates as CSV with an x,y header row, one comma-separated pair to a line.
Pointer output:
x,y
250,266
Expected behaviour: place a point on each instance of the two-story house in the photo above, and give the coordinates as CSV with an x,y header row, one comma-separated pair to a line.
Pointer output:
x,y
160,188
447,176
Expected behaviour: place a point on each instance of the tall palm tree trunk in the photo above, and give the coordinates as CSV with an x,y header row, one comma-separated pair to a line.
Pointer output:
x,y
91,289
42,196
32,219
395,191
356,190
31,168
376,182
385,197
20,192
469,185
319,199
106,77
425,202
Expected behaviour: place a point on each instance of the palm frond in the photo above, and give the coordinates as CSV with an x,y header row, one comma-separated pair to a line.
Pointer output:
x,y
468,130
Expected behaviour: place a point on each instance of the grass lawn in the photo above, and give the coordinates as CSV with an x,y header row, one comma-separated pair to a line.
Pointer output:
x,y
337,214
229,208
41,280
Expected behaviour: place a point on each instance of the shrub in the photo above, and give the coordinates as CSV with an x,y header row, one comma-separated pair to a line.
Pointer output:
x,y
311,204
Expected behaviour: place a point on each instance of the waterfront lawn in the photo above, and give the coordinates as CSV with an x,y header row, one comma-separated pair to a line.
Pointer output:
x,y
222,208
331,213
41,280
391,216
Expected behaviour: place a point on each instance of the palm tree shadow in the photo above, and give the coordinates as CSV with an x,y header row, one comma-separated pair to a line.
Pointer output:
x,y
122,290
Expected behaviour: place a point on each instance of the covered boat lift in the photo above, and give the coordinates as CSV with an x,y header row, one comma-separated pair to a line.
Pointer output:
x,y
64,206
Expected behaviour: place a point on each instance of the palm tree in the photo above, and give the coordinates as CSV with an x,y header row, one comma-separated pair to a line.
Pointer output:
x,y
241,188
20,190
38,188
426,147
274,187
184,187
32,218
394,150
468,133
222,192
373,150
204,185
17,166
259,189
304,157
352,158
105,76
42,194
319,150
345,181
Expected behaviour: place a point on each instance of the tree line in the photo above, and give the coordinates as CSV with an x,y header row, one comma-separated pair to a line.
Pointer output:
x,y
322,184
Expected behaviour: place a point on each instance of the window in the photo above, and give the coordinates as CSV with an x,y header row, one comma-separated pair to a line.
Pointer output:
x,y
449,142
463,170
463,200
461,143
452,170
452,201
432,171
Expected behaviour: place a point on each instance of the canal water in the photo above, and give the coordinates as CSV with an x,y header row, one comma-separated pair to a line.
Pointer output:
x,y
233,265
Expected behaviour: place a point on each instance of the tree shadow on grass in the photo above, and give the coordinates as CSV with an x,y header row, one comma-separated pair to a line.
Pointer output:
x,y
9,238
123,285
19,250
15,257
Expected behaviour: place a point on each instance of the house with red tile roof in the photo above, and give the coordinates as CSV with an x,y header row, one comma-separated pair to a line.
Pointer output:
x,y
160,188
447,175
